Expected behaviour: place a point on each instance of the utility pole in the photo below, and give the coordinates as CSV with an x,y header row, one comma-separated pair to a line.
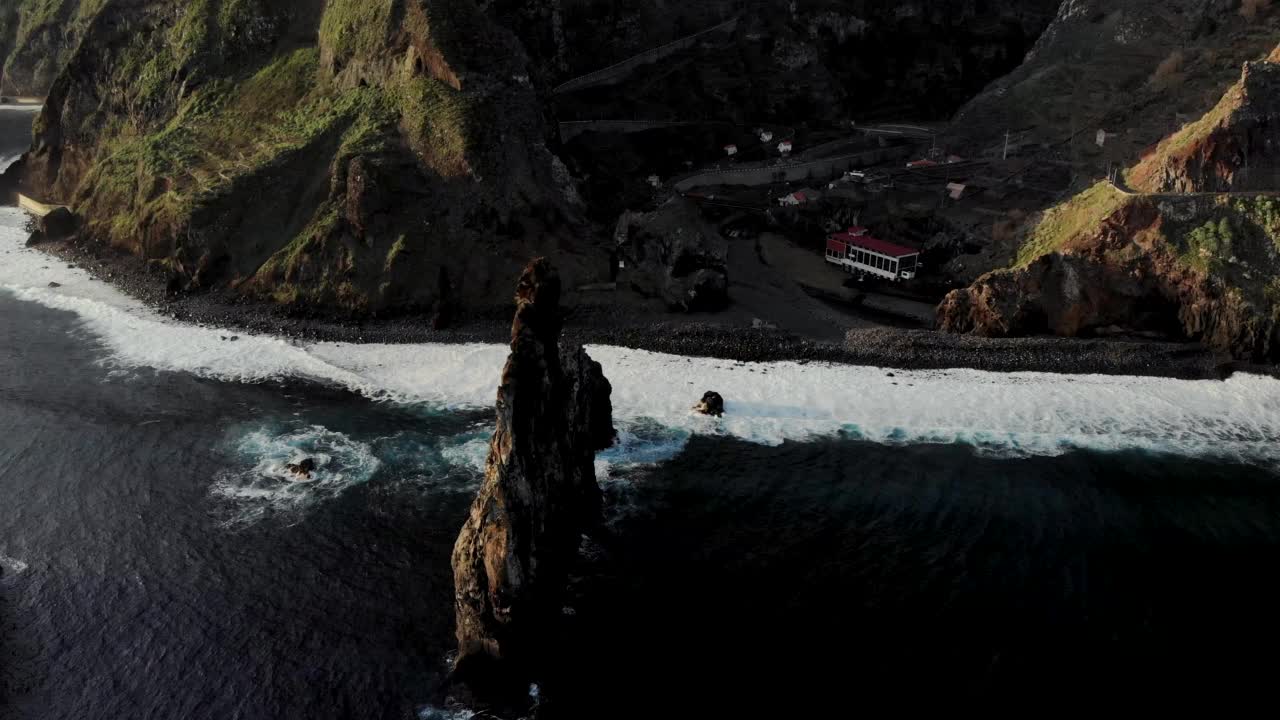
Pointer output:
x,y
1006,146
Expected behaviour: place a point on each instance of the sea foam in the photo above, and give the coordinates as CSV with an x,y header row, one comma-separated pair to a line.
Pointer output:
x,y
270,487
999,413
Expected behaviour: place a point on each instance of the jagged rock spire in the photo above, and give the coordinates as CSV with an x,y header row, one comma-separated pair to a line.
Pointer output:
x,y
539,495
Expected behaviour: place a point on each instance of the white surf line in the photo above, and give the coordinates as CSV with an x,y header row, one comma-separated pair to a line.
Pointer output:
x,y
1004,413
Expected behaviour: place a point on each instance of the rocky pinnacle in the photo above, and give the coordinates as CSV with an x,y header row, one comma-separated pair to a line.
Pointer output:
x,y
511,560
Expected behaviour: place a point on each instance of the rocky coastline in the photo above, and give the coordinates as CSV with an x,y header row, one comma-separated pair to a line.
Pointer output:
x,y
694,335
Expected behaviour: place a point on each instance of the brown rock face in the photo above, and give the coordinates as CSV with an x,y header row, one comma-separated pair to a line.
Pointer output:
x,y
511,559
1127,278
59,224
1190,253
1065,295
1231,149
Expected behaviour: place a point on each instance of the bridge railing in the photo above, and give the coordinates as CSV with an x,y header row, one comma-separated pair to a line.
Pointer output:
x,y
624,68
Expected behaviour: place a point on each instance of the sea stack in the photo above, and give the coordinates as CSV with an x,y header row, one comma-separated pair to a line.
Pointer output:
x,y
512,558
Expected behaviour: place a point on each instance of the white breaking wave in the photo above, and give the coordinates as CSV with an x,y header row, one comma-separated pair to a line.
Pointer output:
x,y
434,713
7,160
270,487
471,454
1003,413
11,566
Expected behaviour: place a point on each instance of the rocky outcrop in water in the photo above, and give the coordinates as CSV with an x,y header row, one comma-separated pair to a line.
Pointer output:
x,y
711,404
539,495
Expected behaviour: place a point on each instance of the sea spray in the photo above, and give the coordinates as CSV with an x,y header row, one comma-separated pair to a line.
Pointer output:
x,y
263,484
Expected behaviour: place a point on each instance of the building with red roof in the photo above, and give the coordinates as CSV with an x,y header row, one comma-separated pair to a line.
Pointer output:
x,y
858,252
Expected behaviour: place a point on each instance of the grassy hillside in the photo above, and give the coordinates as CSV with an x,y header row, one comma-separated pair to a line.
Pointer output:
x,y
1071,222
319,152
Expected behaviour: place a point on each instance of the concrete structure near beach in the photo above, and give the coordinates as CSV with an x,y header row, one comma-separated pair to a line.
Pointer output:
x,y
35,207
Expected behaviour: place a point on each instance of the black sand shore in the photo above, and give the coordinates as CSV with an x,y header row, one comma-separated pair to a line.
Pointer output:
x,y
697,336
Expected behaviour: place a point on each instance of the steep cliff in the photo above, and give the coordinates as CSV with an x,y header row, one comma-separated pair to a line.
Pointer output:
x,y
1137,69
348,155
37,38
539,495
1234,147
1171,256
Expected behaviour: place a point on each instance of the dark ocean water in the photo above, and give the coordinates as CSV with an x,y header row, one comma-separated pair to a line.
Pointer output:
x,y
739,580
156,565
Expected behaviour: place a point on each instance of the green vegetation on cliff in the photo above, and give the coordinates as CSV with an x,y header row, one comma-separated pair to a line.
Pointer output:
x,y
356,27
437,122
37,37
1071,221
1147,173
232,128
225,129
322,152
1236,241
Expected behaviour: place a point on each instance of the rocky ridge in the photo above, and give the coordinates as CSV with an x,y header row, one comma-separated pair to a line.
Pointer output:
x,y
1136,70
1233,148
1172,257
341,155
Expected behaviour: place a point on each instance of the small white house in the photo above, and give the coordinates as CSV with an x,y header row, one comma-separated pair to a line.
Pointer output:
x,y
730,150
655,181
784,147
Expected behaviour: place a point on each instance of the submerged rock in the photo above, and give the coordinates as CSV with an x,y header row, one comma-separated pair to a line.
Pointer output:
x,y
711,404
302,469
539,495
